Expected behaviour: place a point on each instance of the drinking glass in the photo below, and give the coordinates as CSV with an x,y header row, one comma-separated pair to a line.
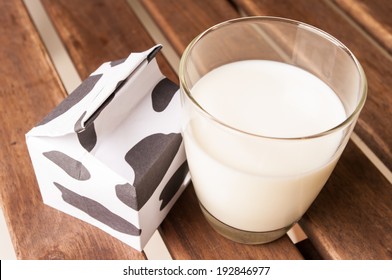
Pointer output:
x,y
252,187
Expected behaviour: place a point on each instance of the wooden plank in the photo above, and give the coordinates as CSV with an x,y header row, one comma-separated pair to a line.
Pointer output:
x,y
30,89
185,231
97,31
373,125
373,16
352,217
183,20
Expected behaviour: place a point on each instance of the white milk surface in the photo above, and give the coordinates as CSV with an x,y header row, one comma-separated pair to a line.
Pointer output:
x,y
257,183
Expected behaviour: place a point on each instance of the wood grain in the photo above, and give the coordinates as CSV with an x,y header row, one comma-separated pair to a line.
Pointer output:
x,y
352,217
97,31
30,89
373,16
183,20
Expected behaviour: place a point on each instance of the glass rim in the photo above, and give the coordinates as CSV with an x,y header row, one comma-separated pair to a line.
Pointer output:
x,y
349,118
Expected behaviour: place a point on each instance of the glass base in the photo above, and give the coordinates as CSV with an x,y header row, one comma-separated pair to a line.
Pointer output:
x,y
243,236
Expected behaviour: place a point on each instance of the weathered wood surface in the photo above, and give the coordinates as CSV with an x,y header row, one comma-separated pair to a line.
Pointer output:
x,y
98,31
352,217
374,17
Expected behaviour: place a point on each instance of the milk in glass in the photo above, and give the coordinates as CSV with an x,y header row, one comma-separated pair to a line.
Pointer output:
x,y
254,160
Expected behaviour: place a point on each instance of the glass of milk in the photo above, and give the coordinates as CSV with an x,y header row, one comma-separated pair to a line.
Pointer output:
x,y
268,107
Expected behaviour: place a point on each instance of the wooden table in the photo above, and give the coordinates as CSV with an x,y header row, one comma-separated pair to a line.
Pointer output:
x,y
351,218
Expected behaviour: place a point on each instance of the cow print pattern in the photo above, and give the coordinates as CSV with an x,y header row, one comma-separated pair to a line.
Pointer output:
x,y
150,158
173,185
117,62
163,94
71,166
97,211
78,94
127,194
88,137
79,127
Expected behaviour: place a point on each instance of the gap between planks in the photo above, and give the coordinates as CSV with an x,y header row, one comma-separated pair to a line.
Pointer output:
x,y
362,31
